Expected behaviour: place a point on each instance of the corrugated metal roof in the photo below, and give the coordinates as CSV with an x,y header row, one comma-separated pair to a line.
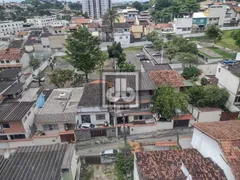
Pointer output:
x,y
61,117
13,89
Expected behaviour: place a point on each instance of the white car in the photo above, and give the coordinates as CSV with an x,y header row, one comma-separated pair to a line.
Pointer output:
x,y
87,126
156,54
140,54
36,79
110,152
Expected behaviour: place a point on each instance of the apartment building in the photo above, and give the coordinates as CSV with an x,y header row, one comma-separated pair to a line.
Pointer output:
x,y
16,119
10,27
223,74
96,8
40,22
183,25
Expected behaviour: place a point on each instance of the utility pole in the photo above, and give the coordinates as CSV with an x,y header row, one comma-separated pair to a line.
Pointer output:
x,y
124,131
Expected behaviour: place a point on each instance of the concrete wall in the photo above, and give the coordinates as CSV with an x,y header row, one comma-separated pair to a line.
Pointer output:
x,y
45,140
28,121
123,38
210,148
60,128
218,11
182,25
208,69
25,60
93,117
135,170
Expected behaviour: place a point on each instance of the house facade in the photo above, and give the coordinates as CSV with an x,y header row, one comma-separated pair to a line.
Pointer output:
x,y
122,34
182,25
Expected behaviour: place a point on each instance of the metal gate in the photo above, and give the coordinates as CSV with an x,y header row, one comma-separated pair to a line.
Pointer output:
x,y
92,160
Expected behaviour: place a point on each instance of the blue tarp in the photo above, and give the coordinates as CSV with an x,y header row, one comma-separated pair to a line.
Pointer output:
x,y
40,101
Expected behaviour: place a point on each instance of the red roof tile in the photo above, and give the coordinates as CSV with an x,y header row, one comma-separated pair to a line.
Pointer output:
x,y
236,8
166,77
183,117
227,133
79,20
166,165
10,56
162,26
166,144
93,25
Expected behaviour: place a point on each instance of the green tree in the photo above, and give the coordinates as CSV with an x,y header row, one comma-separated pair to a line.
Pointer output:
x,y
34,63
190,72
236,36
59,77
208,96
126,67
83,51
171,52
111,17
115,50
213,32
167,100
188,58
204,81
161,4
191,6
137,5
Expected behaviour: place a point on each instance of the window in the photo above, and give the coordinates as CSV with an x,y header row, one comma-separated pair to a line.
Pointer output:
x,y
120,37
86,119
7,61
44,46
5,125
29,113
50,127
100,116
2,62
3,137
17,61
144,106
17,136
219,69
126,37
48,46
237,100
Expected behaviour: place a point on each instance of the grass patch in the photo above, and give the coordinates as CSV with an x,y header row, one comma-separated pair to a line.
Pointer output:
x,y
133,49
224,54
88,174
227,41
206,55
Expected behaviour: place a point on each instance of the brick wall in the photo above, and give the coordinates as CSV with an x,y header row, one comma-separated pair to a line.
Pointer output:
x,y
15,127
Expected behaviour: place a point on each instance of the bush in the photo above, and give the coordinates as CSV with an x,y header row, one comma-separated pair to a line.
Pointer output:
x,y
190,72
204,81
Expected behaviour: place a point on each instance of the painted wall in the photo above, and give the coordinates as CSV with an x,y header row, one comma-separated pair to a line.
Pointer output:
x,y
93,117
28,121
200,21
210,148
46,140
15,127
218,11
182,25
123,38
51,132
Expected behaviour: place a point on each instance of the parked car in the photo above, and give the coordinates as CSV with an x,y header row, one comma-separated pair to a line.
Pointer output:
x,y
87,125
156,54
35,79
110,152
140,54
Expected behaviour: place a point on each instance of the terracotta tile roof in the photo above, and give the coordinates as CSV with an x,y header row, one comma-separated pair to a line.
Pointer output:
x,y
93,25
222,130
156,165
166,144
10,56
236,8
166,77
80,20
22,33
183,117
227,133
208,109
161,26
231,2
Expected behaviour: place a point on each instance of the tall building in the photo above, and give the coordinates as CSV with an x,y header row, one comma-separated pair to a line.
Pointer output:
x,y
96,8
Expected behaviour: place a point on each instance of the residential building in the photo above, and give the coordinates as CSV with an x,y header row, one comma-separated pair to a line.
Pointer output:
x,y
132,12
205,114
95,29
59,23
10,27
199,22
16,119
57,41
223,74
122,34
220,141
96,9
57,113
12,75
13,56
78,20
53,162
90,108
160,28
183,25
40,22
175,164
137,31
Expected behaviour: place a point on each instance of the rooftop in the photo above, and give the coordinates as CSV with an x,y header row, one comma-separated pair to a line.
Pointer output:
x,y
80,20
149,66
5,85
14,111
3,162
167,77
10,73
177,164
13,89
199,15
121,25
60,117
16,44
38,162
162,26
93,25
63,100
209,109
227,134
10,55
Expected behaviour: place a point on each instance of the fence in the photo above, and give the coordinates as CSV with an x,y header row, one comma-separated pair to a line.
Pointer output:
x,y
92,159
226,116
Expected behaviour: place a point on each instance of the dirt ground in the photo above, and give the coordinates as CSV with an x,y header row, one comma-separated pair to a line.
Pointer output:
x,y
100,172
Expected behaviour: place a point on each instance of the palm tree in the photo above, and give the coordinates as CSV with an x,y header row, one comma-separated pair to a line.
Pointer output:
x,y
111,17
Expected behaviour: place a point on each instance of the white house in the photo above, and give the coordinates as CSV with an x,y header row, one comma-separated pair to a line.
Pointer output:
x,y
220,141
182,25
90,109
122,34
228,78
40,22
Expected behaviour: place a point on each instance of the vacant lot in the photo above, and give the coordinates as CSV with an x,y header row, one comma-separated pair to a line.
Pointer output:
x,y
227,41
100,172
